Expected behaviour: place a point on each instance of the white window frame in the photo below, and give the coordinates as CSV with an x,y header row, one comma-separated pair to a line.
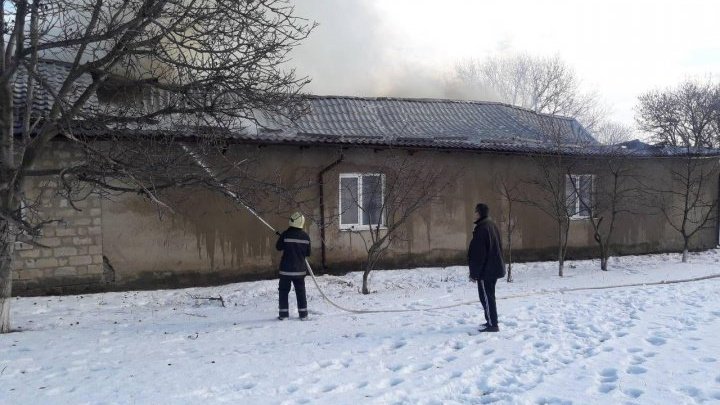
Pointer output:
x,y
360,226
575,178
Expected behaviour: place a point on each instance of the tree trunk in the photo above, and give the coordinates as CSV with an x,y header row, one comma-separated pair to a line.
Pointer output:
x,y
7,237
561,256
365,289
509,250
686,249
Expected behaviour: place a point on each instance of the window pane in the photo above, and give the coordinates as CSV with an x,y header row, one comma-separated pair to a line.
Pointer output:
x,y
372,200
585,191
349,200
570,195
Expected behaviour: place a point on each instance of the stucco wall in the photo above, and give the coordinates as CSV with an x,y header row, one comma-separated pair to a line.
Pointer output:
x,y
209,239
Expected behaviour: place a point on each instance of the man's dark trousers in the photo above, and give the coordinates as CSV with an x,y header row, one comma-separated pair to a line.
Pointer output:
x,y
486,291
299,283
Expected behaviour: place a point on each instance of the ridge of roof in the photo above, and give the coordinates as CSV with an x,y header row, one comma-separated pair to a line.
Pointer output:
x,y
432,100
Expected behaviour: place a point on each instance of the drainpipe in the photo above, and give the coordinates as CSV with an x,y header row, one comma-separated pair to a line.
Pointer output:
x,y
322,205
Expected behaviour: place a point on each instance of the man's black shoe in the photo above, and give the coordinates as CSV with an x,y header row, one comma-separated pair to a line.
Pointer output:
x,y
282,318
490,329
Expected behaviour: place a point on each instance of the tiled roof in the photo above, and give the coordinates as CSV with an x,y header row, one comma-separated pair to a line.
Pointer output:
x,y
639,148
381,122
427,122
53,75
446,124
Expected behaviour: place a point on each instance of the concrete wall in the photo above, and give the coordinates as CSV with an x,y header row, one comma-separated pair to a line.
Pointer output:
x,y
209,239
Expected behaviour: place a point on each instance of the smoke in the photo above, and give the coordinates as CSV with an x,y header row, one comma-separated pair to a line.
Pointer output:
x,y
355,52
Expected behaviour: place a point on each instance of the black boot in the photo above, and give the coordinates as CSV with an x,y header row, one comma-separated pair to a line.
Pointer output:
x,y
490,329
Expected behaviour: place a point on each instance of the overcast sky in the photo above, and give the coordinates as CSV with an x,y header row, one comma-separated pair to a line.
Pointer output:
x,y
408,47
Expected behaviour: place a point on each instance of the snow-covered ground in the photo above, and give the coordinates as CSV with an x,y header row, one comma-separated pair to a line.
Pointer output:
x,y
655,344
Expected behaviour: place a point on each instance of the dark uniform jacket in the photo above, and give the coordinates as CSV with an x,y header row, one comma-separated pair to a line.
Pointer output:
x,y
485,252
295,245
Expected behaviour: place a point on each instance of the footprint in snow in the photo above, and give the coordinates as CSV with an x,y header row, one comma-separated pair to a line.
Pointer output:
x,y
632,392
656,340
691,391
708,360
423,367
634,350
552,401
636,370
395,368
455,344
541,346
390,382
328,388
608,375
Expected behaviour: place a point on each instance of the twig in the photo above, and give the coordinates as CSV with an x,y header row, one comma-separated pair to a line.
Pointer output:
x,y
218,298
198,315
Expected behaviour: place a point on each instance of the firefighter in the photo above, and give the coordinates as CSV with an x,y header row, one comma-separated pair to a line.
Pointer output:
x,y
295,245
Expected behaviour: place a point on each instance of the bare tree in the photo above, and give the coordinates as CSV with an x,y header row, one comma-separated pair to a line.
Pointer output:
x,y
686,115
510,191
615,191
612,133
167,71
557,165
386,201
541,84
685,119
615,188
550,182
683,196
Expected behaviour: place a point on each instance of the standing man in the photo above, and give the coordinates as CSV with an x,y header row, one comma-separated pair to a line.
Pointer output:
x,y
295,245
486,264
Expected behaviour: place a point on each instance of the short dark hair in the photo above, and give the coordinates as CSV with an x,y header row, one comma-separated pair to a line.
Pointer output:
x,y
482,209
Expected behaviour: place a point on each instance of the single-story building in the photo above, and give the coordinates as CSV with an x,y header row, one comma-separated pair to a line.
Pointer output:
x,y
334,157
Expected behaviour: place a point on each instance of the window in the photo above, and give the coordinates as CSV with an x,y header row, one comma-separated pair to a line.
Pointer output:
x,y
578,194
361,200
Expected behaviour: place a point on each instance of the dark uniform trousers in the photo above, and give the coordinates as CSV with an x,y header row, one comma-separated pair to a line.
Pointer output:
x,y
299,284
